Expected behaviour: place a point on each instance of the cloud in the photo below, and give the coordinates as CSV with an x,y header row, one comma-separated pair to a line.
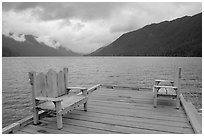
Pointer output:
x,y
18,6
86,26
67,10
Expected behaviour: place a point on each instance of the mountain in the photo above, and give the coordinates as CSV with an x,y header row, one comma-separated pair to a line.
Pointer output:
x,y
31,47
179,37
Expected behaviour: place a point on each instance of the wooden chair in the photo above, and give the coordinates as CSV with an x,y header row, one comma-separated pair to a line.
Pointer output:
x,y
172,90
50,93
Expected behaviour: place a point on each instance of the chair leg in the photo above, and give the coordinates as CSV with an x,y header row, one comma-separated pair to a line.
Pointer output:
x,y
35,113
35,116
155,97
59,115
177,99
155,102
177,103
85,106
59,121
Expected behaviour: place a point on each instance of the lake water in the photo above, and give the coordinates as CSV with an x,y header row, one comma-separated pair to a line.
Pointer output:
x,y
88,71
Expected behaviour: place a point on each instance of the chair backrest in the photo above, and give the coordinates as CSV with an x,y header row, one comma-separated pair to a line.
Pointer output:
x,y
175,82
51,84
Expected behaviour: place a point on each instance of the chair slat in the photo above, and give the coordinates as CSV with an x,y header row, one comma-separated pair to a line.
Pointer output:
x,y
61,83
41,85
52,83
66,78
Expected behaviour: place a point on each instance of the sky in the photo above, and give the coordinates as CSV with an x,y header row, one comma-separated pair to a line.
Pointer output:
x,y
86,26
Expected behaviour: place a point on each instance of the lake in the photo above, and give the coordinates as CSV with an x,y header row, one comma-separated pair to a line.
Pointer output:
x,y
89,71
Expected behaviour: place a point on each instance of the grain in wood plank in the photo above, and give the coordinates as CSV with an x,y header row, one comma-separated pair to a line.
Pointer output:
x,y
161,102
37,129
171,112
22,132
110,99
137,106
131,119
153,111
158,112
109,127
134,125
125,97
135,110
73,128
115,91
135,94
134,114
142,105
122,97
129,96
30,130
129,88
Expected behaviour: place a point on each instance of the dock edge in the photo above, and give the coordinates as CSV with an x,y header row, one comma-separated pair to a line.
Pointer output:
x,y
193,116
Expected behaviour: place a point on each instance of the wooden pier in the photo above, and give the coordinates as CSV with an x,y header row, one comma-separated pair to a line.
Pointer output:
x,y
121,110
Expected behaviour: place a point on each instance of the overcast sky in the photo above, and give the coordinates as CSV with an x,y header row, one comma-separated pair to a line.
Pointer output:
x,y
84,27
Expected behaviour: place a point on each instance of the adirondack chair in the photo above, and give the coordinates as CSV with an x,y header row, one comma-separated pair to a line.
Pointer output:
x,y
50,92
171,90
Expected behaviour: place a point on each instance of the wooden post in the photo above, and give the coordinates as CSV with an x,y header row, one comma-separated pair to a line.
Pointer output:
x,y
58,114
32,76
178,78
84,92
155,97
66,78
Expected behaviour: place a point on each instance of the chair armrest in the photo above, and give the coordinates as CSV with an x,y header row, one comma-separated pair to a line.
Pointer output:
x,y
93,88
169,87
82,89
49,99
170,81
76,88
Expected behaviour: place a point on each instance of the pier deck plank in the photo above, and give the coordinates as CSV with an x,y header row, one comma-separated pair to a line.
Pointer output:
x,y
119,111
